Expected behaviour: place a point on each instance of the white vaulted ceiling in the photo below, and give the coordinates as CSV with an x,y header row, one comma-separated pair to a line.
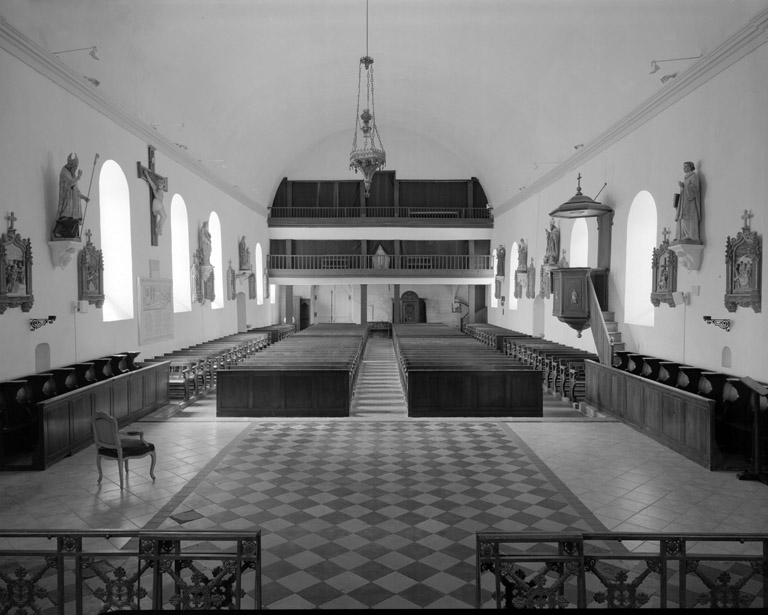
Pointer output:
x,y
508,87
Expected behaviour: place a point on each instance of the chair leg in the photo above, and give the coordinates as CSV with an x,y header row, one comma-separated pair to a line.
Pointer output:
x,y
152,466
126,466
120,469
98,465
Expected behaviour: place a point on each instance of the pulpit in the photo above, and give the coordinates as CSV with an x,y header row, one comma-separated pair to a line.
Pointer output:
x,y
570,287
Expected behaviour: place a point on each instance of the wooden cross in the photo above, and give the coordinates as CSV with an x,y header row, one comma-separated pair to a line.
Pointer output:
x,y
88,235
159,181
746,216
665,232
11,217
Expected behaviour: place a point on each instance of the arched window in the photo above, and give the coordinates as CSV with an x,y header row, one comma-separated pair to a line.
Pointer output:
x,y
579,252
494,300
511,268
115,226
259,275
641,240
182,290
214,227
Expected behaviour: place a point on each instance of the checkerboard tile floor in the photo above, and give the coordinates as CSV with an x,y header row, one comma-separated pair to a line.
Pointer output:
x,y
356,514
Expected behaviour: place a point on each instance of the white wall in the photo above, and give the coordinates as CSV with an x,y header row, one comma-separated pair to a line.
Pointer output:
x,y
723,128
42,123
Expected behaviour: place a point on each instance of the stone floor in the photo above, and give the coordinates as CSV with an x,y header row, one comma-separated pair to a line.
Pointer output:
x,y
382,512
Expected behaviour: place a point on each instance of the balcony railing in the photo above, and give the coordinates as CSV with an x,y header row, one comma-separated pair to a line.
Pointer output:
x,y
416,213
621,570
95,571
398,263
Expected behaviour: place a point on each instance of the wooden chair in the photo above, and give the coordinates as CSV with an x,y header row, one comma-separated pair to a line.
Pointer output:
x,y
110,443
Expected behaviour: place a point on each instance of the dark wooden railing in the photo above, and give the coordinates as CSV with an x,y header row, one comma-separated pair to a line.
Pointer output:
x,y
400,262
603,341
596,570
65,571
467,213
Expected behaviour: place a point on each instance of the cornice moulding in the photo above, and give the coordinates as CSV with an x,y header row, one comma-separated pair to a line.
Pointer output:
x,y
44,62
750,37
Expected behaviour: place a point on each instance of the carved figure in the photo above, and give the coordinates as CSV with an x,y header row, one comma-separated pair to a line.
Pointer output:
x,y
205,243
245,255
522,256
501,257
69,213
552,253
157,185
688,214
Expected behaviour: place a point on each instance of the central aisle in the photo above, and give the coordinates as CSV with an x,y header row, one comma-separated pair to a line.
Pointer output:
x,y
378,391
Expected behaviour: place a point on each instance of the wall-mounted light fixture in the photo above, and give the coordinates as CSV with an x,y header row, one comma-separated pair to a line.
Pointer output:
x,y
91,51
723,323
36,323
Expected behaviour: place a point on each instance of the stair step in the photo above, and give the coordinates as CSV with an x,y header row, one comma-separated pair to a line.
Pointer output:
x,y
615,336
378,390
612,326
608,316
619,346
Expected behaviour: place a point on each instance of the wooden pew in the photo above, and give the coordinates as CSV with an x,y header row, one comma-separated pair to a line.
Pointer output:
x,y
450,376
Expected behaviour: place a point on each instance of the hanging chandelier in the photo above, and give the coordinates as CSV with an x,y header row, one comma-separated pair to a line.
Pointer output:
x,y
367,158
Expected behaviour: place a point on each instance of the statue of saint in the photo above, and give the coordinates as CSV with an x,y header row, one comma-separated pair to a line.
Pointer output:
x,y
501,257
245,255
552,253
688,206
522,256
69,213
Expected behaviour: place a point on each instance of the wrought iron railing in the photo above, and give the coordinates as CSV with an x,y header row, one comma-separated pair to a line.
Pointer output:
x,y
615,570
98,570
451,262
445,213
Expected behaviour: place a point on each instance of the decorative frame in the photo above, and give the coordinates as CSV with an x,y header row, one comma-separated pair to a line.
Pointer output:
x,y
15,269
664,267
743,273
90,273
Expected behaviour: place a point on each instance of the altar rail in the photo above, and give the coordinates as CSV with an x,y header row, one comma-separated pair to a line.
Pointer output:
x,y
62,571
597,570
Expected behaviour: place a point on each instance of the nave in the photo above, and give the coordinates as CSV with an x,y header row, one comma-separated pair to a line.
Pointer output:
x,y
382,512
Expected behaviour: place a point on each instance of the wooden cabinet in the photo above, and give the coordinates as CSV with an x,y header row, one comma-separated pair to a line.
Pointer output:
x,y
410,309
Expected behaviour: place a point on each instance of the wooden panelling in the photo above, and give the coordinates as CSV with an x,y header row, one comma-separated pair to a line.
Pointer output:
x,y
467,393
283,392
680,420
64,421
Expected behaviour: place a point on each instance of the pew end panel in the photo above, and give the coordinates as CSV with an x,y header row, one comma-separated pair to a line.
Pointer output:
x,y
461,392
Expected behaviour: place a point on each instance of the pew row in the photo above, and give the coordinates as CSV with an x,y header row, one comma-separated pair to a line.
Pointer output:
x,y
449,375
309,374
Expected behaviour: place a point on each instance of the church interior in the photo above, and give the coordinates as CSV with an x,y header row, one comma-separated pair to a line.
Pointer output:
x,y
508,290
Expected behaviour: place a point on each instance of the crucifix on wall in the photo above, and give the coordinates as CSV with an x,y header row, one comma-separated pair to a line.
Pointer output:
x,y
158,186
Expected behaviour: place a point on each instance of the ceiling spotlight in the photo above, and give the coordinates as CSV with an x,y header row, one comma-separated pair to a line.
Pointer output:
x,y
666,78
655,63
181,145
578,146
91,51
95,82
